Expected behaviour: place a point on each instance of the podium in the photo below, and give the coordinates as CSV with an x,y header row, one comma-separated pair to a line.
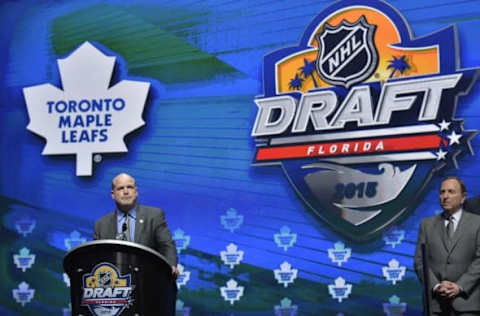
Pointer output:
x,y
114,277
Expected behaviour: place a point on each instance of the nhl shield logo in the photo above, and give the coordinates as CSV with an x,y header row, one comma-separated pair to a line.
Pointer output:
x,y
361,116
346,53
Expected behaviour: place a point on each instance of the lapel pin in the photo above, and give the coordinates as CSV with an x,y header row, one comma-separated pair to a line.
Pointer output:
x,y
141,221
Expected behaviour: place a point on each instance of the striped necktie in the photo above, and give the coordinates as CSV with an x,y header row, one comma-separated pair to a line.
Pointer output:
x,y
450,226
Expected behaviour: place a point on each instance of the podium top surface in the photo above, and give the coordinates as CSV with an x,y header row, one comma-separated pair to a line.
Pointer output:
x,y
112,245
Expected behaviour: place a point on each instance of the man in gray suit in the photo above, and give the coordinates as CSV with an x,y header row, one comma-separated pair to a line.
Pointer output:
x,y
452,242
137,223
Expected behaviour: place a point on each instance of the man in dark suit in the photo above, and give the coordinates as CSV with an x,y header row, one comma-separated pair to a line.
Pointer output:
x,y
452,242
472,205
137,223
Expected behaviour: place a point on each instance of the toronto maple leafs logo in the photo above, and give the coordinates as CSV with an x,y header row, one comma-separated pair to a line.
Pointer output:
x,y
24,260
394,271
285,275
183,276
181,240
25,225
67,311
232,220
232,256
181,309
286,308
88,115
285,239
340,289
394,307
66,279
23,294
394,237
339,254
74,240
232,292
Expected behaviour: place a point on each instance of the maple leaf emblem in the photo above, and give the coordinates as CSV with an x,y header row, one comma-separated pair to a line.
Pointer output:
x,y
87,116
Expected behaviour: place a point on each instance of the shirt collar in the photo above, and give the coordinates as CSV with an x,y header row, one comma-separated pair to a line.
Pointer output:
x,y
132,213
456,216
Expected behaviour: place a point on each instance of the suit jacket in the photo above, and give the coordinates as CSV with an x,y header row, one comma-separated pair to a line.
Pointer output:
x,y
457,261
472,205
150,230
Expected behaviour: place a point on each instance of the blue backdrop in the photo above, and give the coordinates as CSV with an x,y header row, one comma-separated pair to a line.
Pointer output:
x,y
193,158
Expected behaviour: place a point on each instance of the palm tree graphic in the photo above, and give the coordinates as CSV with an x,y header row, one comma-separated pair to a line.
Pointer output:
x,y
399,64
296,83
308,69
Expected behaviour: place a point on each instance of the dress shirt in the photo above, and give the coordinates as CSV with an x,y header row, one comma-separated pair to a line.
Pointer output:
x,y
455,219
121,217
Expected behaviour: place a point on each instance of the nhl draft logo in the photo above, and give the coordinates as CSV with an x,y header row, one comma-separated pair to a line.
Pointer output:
x,y
105,291
361,115
346,53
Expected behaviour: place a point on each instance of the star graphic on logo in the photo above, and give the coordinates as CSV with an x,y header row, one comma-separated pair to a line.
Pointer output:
x,y
444,125
454,138
441,154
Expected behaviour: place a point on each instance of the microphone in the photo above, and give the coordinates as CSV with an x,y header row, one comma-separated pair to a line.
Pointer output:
x,y
123,234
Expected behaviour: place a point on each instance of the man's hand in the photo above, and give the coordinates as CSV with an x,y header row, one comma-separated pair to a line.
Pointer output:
x,y
175,272
448,289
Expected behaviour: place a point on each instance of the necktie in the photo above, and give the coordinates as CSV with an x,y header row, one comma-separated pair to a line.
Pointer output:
x,y
127,219
450,227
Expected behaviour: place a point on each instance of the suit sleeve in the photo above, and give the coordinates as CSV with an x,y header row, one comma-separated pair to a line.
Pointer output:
x,y
422,239
96,231
469,280
163,238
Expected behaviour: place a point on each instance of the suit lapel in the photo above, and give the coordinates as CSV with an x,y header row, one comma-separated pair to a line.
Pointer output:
x,y
139,224
112,226
461,228
442,231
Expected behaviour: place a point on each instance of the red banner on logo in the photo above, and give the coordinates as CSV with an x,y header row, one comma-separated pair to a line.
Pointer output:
x,y
353,147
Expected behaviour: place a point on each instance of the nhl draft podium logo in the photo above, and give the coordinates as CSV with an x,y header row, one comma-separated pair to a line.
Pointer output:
x,y
347,54
106,291
361,115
